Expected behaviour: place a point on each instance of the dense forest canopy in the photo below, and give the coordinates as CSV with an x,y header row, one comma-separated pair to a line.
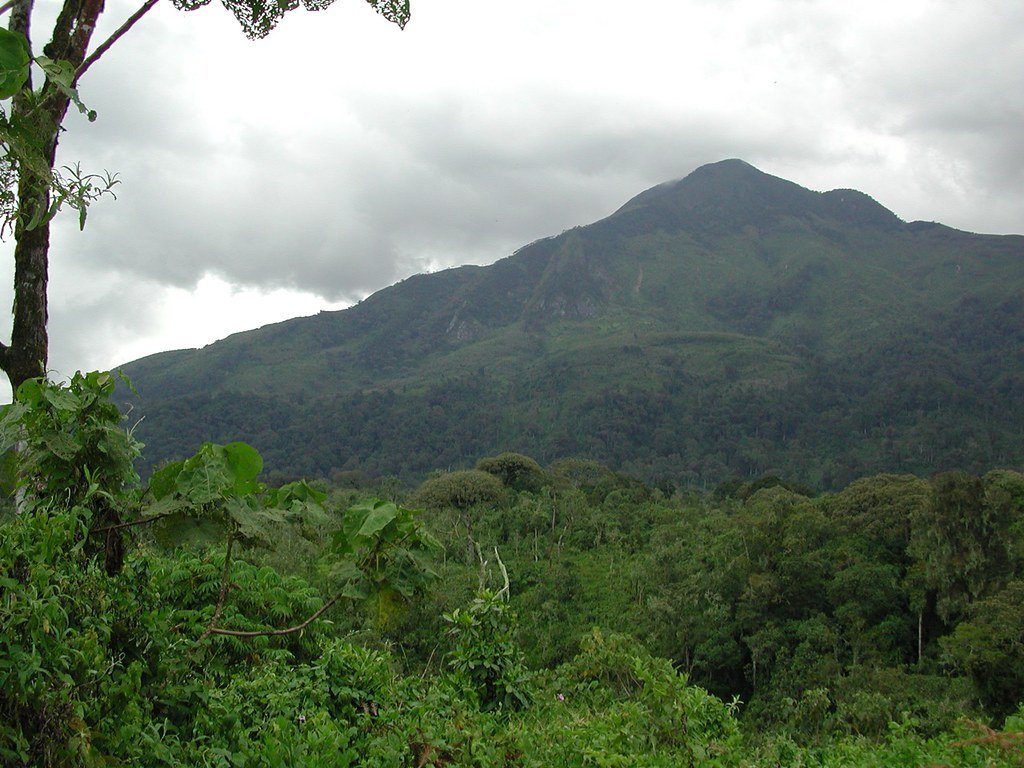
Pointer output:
x,y
527,615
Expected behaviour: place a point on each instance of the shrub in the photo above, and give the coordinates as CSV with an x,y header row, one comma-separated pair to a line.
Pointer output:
x,y
485,655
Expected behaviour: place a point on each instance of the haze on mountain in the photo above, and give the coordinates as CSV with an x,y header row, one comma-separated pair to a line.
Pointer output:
x,y
731,323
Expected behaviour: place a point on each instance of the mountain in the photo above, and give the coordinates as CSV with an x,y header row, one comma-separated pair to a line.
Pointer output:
x,y
729,323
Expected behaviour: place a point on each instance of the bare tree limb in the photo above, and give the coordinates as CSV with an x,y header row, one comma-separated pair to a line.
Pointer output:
x,y
504,574
106,44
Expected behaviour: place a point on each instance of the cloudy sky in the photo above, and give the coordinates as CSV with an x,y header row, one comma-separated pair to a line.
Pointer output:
x,y
264,180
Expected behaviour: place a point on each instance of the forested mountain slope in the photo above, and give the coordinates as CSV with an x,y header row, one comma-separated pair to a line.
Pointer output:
x,y
730,323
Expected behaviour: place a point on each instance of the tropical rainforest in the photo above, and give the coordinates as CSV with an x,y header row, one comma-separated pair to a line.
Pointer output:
x,y
508,614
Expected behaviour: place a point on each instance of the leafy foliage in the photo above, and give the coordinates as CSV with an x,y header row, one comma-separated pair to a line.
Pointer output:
x,y
194,653
259,17
25,136
460,490
73,444
14,61
515,471
382,557
989,646
485,654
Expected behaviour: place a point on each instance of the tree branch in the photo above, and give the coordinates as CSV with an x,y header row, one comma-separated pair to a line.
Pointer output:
x,y
275,632
504,590
140,521
106,44
224,582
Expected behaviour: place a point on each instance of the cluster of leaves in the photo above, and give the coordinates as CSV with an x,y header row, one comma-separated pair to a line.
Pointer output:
x,y
72,443
258,17
383,557
26,132
460,489
485,654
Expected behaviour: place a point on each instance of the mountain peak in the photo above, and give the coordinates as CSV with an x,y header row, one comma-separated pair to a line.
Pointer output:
x,y
733,166
730,194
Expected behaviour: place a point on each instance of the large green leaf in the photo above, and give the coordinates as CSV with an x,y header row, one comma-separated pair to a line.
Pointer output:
x,y
244,465
382,513
30,392
163,482
63,399
14,62
296,493
204,477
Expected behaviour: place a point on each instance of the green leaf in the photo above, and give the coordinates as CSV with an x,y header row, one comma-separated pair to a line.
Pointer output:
x,y
257,524
204,477
62,74
163,482
382,513
341,544
31,393
345,571
296,493
244,464
166,505
61,399
14,62
355,590
61,445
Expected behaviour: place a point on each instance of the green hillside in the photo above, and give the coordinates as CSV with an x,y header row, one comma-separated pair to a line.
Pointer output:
x,y
730,323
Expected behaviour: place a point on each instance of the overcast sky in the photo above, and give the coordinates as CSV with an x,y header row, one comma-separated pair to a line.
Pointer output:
x,y
269,179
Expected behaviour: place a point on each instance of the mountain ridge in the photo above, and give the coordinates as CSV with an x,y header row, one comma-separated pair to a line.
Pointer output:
x,y
738,284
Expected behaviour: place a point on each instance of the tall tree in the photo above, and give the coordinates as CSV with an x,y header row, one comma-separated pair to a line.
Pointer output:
x,y
963,540
32,191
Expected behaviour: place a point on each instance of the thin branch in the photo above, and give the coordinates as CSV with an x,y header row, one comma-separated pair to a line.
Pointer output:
x,y
504,573
7,6
275,632
140,521
225,580
106,44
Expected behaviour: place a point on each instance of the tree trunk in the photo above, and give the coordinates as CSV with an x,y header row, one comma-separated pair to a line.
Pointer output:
x,y
27,354
920,635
